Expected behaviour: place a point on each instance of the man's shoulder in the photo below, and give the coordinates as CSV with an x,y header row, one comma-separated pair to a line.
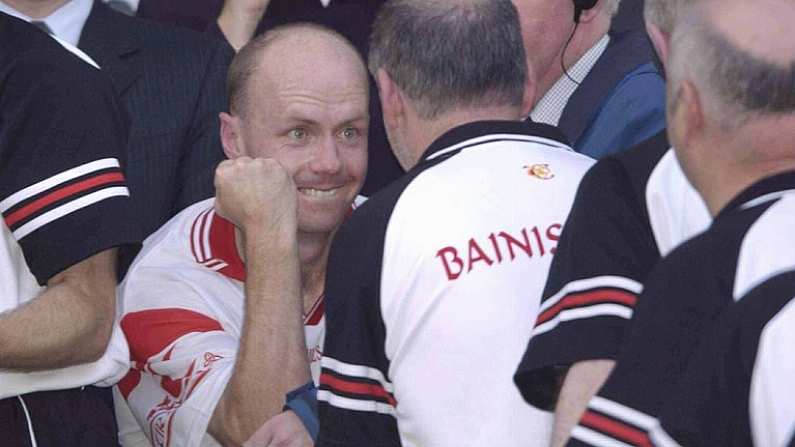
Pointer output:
x,y
714,251
163,38
177,44
32,55
170,243
634,165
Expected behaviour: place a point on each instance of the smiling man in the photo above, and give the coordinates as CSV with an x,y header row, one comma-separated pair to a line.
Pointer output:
x,y
223,308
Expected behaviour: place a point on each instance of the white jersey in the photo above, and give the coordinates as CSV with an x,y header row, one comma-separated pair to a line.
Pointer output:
x,y
182,307
450,260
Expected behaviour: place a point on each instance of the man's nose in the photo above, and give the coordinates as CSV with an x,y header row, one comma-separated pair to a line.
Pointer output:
x,y
326,158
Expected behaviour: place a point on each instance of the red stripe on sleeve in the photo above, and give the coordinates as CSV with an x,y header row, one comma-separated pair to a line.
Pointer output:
x,y
149,332
616,429
62,193
601,296
367,389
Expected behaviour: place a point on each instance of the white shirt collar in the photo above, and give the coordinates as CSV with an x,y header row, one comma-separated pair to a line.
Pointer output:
x,y
66,22
550,108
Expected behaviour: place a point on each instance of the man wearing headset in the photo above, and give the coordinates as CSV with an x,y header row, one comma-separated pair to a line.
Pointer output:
x,y
599,86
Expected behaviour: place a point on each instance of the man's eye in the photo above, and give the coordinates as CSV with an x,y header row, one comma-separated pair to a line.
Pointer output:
x,y
350,133
297,134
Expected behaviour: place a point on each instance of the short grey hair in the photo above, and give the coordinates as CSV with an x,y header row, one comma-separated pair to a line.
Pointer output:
x,y
446,55
612,6
664,13
735,85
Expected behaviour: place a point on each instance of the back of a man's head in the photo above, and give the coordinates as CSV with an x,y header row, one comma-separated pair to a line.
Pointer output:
x,y
451,54
741,58
731,94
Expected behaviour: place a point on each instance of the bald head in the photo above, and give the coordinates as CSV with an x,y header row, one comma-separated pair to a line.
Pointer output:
x,y
302,52
740,55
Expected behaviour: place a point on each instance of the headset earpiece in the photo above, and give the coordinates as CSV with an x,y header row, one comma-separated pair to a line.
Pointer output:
x,y
580,6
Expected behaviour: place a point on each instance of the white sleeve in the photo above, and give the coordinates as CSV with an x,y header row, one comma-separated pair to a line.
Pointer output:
x,y
182,359
771,397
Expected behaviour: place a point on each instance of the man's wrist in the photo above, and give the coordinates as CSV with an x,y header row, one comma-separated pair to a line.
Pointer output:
x,y
282,237
303,402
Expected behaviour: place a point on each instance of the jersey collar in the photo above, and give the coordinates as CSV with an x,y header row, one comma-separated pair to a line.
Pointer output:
x,y
480,132
221,251
763,191
212,242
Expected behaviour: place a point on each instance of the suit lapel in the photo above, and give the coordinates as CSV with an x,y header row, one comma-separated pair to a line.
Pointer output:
x,y
625,52
111,41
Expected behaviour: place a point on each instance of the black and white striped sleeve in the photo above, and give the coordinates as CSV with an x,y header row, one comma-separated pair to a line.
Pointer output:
x,y
356,401
63,195
606,249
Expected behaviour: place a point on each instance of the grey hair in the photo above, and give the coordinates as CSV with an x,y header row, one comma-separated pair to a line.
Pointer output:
x,y
450,54
664,13
735,85
611,7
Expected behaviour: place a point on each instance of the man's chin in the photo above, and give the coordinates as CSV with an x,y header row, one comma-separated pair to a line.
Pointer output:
x,y
317,222
318,228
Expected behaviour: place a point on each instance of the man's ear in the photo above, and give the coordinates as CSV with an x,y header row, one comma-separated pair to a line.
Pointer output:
x,y
588,15
660,40
690,112
529,97
392,105
230,136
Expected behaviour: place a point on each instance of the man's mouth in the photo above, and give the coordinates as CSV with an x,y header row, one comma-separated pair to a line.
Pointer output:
x,y
319,193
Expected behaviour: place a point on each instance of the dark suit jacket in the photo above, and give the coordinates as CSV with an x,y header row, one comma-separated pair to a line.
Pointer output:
x,y
172,84
626,69
629,17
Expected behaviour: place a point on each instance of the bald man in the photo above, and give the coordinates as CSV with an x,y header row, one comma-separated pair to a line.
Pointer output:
x,y
223,308
731,115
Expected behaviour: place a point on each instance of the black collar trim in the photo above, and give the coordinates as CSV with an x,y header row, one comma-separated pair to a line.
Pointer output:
x,y
765,190
480,132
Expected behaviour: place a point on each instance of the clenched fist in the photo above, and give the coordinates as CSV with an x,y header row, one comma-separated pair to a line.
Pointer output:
x,y
256,194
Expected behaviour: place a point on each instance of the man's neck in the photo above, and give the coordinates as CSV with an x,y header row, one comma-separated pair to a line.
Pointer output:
x,y
585,37
744,159
36,9
422,133
313,251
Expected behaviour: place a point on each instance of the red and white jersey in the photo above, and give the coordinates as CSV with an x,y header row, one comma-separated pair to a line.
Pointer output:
x,y
181,309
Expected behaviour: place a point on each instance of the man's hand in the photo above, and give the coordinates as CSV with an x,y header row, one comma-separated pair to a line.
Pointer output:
x,y
283,430
256,195
239,19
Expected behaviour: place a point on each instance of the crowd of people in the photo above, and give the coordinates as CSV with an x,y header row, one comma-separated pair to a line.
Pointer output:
x,y
397,223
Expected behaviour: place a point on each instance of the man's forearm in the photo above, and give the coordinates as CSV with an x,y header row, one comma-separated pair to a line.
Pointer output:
x,y
581,383
69,323
239,19
272,356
